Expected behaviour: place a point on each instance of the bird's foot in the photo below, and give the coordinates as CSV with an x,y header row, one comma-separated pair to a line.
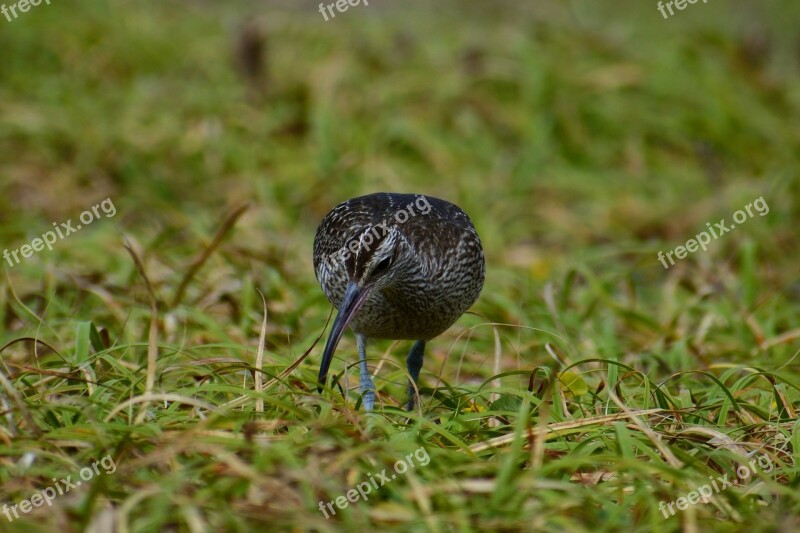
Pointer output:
x,y
414,364
368,399
413,397
365,384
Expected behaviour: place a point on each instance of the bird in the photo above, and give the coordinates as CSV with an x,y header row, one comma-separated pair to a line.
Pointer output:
x,y
396,266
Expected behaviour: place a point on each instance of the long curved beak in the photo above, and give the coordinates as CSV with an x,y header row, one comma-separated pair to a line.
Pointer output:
x,y
354,298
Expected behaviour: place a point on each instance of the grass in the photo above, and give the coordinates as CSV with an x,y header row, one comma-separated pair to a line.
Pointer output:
x,y
587,385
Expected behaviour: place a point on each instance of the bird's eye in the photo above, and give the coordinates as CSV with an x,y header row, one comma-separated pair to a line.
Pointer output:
x,y
383,266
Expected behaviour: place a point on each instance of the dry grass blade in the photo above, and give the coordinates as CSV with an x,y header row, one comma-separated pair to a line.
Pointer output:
x,y
152,360
201,258
557,428
35,340
257,376
134,502
147,398
783,338
239,401
19,302
634,416
152,340
62,374
498,352
12,391
717,438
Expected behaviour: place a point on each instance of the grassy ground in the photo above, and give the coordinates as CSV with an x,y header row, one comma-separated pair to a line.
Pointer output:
x,y
589,389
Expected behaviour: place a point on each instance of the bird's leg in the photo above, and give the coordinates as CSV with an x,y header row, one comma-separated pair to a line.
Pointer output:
x,y
365,385
414,365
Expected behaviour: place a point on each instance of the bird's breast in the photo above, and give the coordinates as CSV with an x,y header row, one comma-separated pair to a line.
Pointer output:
x,y
419,309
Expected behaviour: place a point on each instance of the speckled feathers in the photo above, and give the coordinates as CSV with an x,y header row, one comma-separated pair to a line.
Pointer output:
x,y
421,253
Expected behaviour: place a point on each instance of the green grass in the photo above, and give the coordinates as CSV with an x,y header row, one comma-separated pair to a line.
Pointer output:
x,y
586,386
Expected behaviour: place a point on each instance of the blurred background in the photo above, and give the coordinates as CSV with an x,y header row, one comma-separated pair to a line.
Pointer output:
x,y
573,133
581,137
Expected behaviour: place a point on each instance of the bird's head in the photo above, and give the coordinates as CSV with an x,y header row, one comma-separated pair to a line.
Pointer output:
x,y
375,258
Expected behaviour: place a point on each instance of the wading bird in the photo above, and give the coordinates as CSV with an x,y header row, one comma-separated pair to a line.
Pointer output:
x,y
396,266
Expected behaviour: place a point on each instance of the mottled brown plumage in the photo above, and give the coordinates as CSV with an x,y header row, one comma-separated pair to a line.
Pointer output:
x,y
397,266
